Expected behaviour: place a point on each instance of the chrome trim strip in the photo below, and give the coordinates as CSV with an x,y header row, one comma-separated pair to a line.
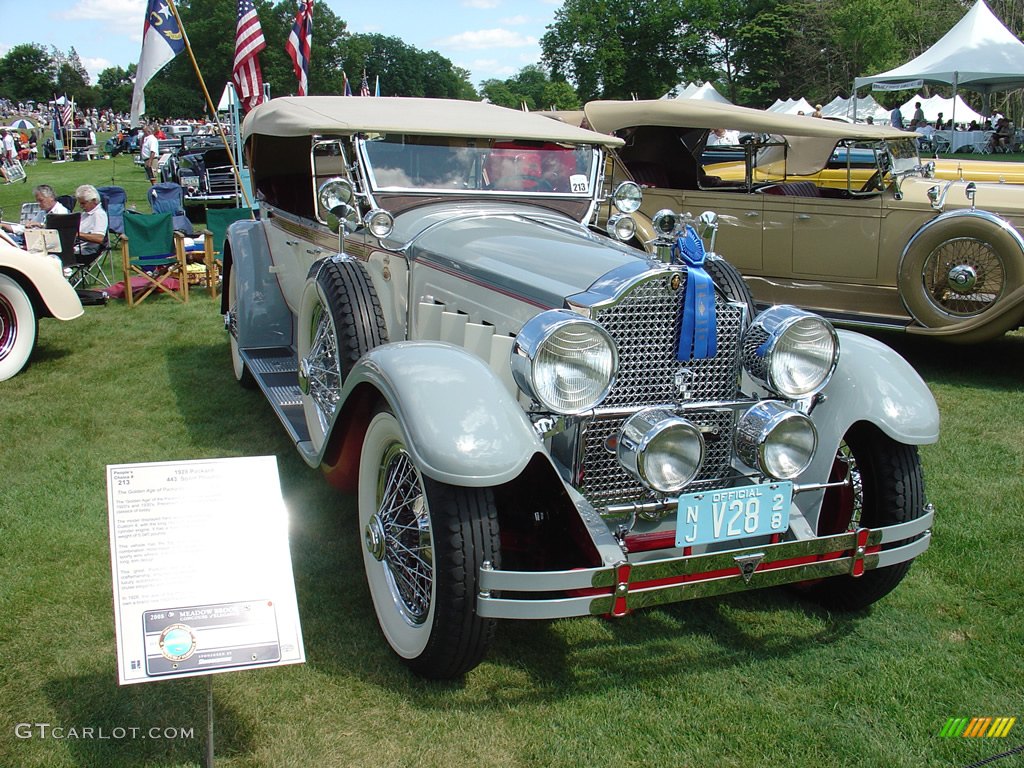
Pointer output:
x,y
906,552
729,578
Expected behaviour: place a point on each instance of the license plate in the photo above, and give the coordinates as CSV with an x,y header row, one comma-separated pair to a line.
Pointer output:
x,y
708,517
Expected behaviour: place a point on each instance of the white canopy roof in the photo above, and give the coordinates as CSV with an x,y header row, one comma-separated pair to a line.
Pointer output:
x,y
979,53
707,92
936,104
792,106
866,107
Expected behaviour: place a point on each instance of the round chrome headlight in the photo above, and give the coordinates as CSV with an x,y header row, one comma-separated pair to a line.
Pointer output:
x,y
790,351
627,197
565,362
621,227
661,450
667,223
379,222
776,439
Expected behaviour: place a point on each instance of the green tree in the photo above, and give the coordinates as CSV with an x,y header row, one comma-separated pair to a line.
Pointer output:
x,y
615,49
533,87
27,71
114,88
403,69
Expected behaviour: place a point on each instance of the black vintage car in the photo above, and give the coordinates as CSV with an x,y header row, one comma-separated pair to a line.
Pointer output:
x,y
203,169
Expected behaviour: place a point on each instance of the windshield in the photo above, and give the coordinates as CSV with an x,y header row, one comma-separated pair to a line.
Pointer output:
x,y
904,155
453,165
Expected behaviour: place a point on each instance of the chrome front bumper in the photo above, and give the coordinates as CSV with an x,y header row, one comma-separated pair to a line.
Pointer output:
x,y
624,587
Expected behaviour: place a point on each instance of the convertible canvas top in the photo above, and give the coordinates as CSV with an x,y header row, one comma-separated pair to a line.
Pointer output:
x,y
608,116
305,115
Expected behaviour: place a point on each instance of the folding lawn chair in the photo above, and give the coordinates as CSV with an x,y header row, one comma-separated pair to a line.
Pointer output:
x,y
114,201
168,197
217,222
153,251
13,171
66,225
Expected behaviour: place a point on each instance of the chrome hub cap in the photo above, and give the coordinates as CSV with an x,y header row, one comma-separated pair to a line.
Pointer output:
x,y
373,537
962,278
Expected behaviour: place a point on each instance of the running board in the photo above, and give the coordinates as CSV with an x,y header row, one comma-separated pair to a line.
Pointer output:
x,y
276,371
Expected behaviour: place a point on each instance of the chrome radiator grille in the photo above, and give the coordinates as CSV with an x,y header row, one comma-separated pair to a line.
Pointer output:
x,y
645,325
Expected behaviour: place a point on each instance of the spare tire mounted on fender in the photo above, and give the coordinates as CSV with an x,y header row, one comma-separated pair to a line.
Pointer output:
x,y
340,319
960,267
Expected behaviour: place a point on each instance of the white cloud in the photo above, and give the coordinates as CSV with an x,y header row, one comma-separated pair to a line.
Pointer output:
x,y
481,4
119,17
95,65
486,38
515,21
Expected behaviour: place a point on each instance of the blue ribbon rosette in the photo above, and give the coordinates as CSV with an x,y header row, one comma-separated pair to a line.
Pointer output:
x,y
698,338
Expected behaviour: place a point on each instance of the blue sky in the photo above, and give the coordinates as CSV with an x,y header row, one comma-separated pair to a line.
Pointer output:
x,y
490,38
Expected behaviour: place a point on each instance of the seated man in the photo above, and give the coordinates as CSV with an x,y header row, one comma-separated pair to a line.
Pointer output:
x,y
48,204
92,228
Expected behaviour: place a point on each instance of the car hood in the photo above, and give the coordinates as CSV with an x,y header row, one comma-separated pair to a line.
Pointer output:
x,y
537,255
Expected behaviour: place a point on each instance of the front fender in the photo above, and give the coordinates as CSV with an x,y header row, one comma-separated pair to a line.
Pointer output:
x,y
263,318
461,425
42,275
873,383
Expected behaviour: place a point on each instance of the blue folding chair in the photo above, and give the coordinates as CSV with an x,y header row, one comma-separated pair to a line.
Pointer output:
x,y
168,197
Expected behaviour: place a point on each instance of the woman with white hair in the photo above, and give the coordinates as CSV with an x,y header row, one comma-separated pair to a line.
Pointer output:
x,y
92,229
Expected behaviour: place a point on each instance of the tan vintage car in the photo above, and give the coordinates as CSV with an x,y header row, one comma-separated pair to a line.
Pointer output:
x,y
898,248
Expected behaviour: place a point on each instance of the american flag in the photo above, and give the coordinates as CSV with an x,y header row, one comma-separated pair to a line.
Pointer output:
x,y
248,43
364,87
67,112
348,86
300,43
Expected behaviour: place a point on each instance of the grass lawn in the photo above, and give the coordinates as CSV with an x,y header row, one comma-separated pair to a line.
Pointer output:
x,y
120,171
753,679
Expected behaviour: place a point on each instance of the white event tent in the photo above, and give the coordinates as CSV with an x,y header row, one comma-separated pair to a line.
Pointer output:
x,y
792,106
866,107
936,104
706,92
978,53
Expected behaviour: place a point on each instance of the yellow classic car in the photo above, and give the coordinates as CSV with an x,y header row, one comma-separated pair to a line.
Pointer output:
x,y
892,245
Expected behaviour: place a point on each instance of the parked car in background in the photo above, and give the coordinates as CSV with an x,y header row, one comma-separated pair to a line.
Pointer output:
x,y
202,167
32,286
537,420
843,219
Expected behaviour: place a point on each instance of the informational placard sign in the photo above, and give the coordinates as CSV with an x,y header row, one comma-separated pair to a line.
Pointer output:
x,y
201,568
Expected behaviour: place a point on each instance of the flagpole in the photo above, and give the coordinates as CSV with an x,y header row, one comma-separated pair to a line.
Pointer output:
x,y
209,104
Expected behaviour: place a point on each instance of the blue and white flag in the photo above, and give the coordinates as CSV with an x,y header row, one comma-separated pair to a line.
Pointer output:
x,y
162,40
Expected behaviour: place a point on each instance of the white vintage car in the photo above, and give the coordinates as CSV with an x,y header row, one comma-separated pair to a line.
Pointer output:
x,y
32,286
539,421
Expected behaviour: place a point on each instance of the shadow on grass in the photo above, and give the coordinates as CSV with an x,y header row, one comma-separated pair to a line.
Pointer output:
x,y
169,719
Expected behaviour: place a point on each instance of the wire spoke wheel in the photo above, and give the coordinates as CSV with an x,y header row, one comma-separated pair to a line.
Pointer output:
x,y
882,485
423,545
963,277
400,534
321,367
